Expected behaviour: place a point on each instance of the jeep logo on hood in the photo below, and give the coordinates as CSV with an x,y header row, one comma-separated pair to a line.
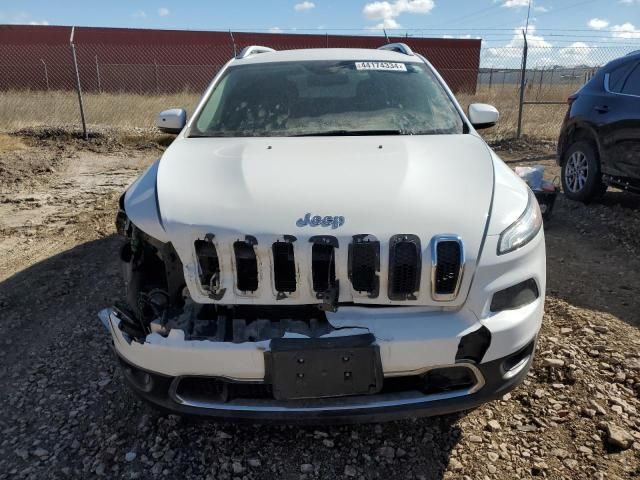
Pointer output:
x,y
318,221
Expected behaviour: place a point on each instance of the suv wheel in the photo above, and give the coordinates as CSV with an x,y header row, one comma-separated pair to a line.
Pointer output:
x,y
581,177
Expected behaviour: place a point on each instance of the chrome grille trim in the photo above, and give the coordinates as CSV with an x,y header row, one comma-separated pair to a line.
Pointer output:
x,y
405,267
445,297
300,284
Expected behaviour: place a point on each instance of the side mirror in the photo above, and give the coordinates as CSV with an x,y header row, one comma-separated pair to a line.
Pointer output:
x,y
482,115
172,121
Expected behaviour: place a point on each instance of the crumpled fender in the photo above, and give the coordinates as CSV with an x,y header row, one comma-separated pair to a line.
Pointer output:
x,y
141,204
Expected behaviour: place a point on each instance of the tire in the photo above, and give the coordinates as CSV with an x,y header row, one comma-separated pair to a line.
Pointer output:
x,y
581,177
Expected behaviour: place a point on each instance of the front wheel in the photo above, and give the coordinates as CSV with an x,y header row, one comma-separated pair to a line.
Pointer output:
x,y
581,177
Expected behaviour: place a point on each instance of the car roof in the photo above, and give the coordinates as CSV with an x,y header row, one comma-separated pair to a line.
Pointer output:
x,y
629,57
337,54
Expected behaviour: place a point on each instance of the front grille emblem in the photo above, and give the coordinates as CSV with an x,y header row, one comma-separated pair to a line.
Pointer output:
x,y
318,221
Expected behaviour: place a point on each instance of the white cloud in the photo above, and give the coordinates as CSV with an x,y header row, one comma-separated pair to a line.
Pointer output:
x,y
513,49
387,23
38,22
576,52
533,40
275,30
139,14
629,2
387,12
304,6
163,12
516,3
598,23
540,9
626,30
464,37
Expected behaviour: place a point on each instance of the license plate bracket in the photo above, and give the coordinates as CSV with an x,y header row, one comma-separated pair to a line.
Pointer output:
x,y
323,367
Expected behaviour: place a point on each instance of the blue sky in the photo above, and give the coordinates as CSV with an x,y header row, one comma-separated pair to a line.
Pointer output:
x,y
554,22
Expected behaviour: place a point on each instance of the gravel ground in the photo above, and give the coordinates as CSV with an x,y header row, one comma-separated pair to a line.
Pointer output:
x,y
67,414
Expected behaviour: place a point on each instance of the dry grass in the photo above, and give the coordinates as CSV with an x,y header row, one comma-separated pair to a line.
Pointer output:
x,y
538,121
19,109
10,143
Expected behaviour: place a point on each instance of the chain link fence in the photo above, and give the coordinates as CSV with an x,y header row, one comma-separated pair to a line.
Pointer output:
x,y
38,82
551,75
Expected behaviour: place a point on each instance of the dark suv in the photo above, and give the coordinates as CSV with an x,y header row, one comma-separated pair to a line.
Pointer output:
x,y
599,142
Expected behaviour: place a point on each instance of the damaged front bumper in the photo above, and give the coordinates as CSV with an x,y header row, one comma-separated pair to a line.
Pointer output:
x,y
162,392
432,363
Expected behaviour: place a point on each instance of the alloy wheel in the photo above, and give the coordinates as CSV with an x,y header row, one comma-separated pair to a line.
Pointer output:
x,y
576,172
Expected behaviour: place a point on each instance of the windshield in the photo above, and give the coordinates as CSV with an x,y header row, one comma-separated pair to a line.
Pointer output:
x,y
327,98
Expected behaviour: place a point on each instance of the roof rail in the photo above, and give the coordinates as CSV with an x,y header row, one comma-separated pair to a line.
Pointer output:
x,y
252,50
397,47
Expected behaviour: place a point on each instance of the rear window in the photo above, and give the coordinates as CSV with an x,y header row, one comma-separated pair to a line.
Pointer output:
x,y
328,98
618,76
632,83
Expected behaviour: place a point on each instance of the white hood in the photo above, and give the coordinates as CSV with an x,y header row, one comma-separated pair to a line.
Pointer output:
x,y
232,187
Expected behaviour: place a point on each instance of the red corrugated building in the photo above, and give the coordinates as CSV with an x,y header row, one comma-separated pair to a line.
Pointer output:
x,y
164,61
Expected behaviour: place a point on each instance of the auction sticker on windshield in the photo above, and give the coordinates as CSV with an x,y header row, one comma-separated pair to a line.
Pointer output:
x,y
389,66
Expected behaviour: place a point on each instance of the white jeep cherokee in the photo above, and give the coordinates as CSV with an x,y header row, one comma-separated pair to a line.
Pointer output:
x,y
328,239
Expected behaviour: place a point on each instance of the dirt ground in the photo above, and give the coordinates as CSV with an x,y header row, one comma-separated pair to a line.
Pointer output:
x,y
67,414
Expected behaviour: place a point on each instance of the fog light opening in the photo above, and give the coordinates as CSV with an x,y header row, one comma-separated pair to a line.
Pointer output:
x,y
449,379
516,296
514,364
140,379
516,368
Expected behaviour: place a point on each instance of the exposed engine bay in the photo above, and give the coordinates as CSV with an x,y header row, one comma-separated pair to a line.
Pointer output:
x,y
158,301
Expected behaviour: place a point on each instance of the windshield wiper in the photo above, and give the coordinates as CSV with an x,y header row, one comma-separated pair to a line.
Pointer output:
x,y
347,133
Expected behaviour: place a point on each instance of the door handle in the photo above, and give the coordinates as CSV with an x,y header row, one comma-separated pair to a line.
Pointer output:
x,y
601,108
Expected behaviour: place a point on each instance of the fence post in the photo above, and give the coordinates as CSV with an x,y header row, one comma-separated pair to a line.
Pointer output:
x,y
523,74
233,42
78,87
490,78
46,73
98,75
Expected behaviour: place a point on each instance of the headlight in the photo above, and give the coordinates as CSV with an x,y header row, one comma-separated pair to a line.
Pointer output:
x,y
521,231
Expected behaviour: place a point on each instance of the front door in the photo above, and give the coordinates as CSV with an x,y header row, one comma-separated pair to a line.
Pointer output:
x,y
619,116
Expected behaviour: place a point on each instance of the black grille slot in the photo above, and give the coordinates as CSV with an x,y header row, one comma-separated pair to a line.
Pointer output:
x,y
284,267
404,267
246,266
364,263
323,267
449,257
207,260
